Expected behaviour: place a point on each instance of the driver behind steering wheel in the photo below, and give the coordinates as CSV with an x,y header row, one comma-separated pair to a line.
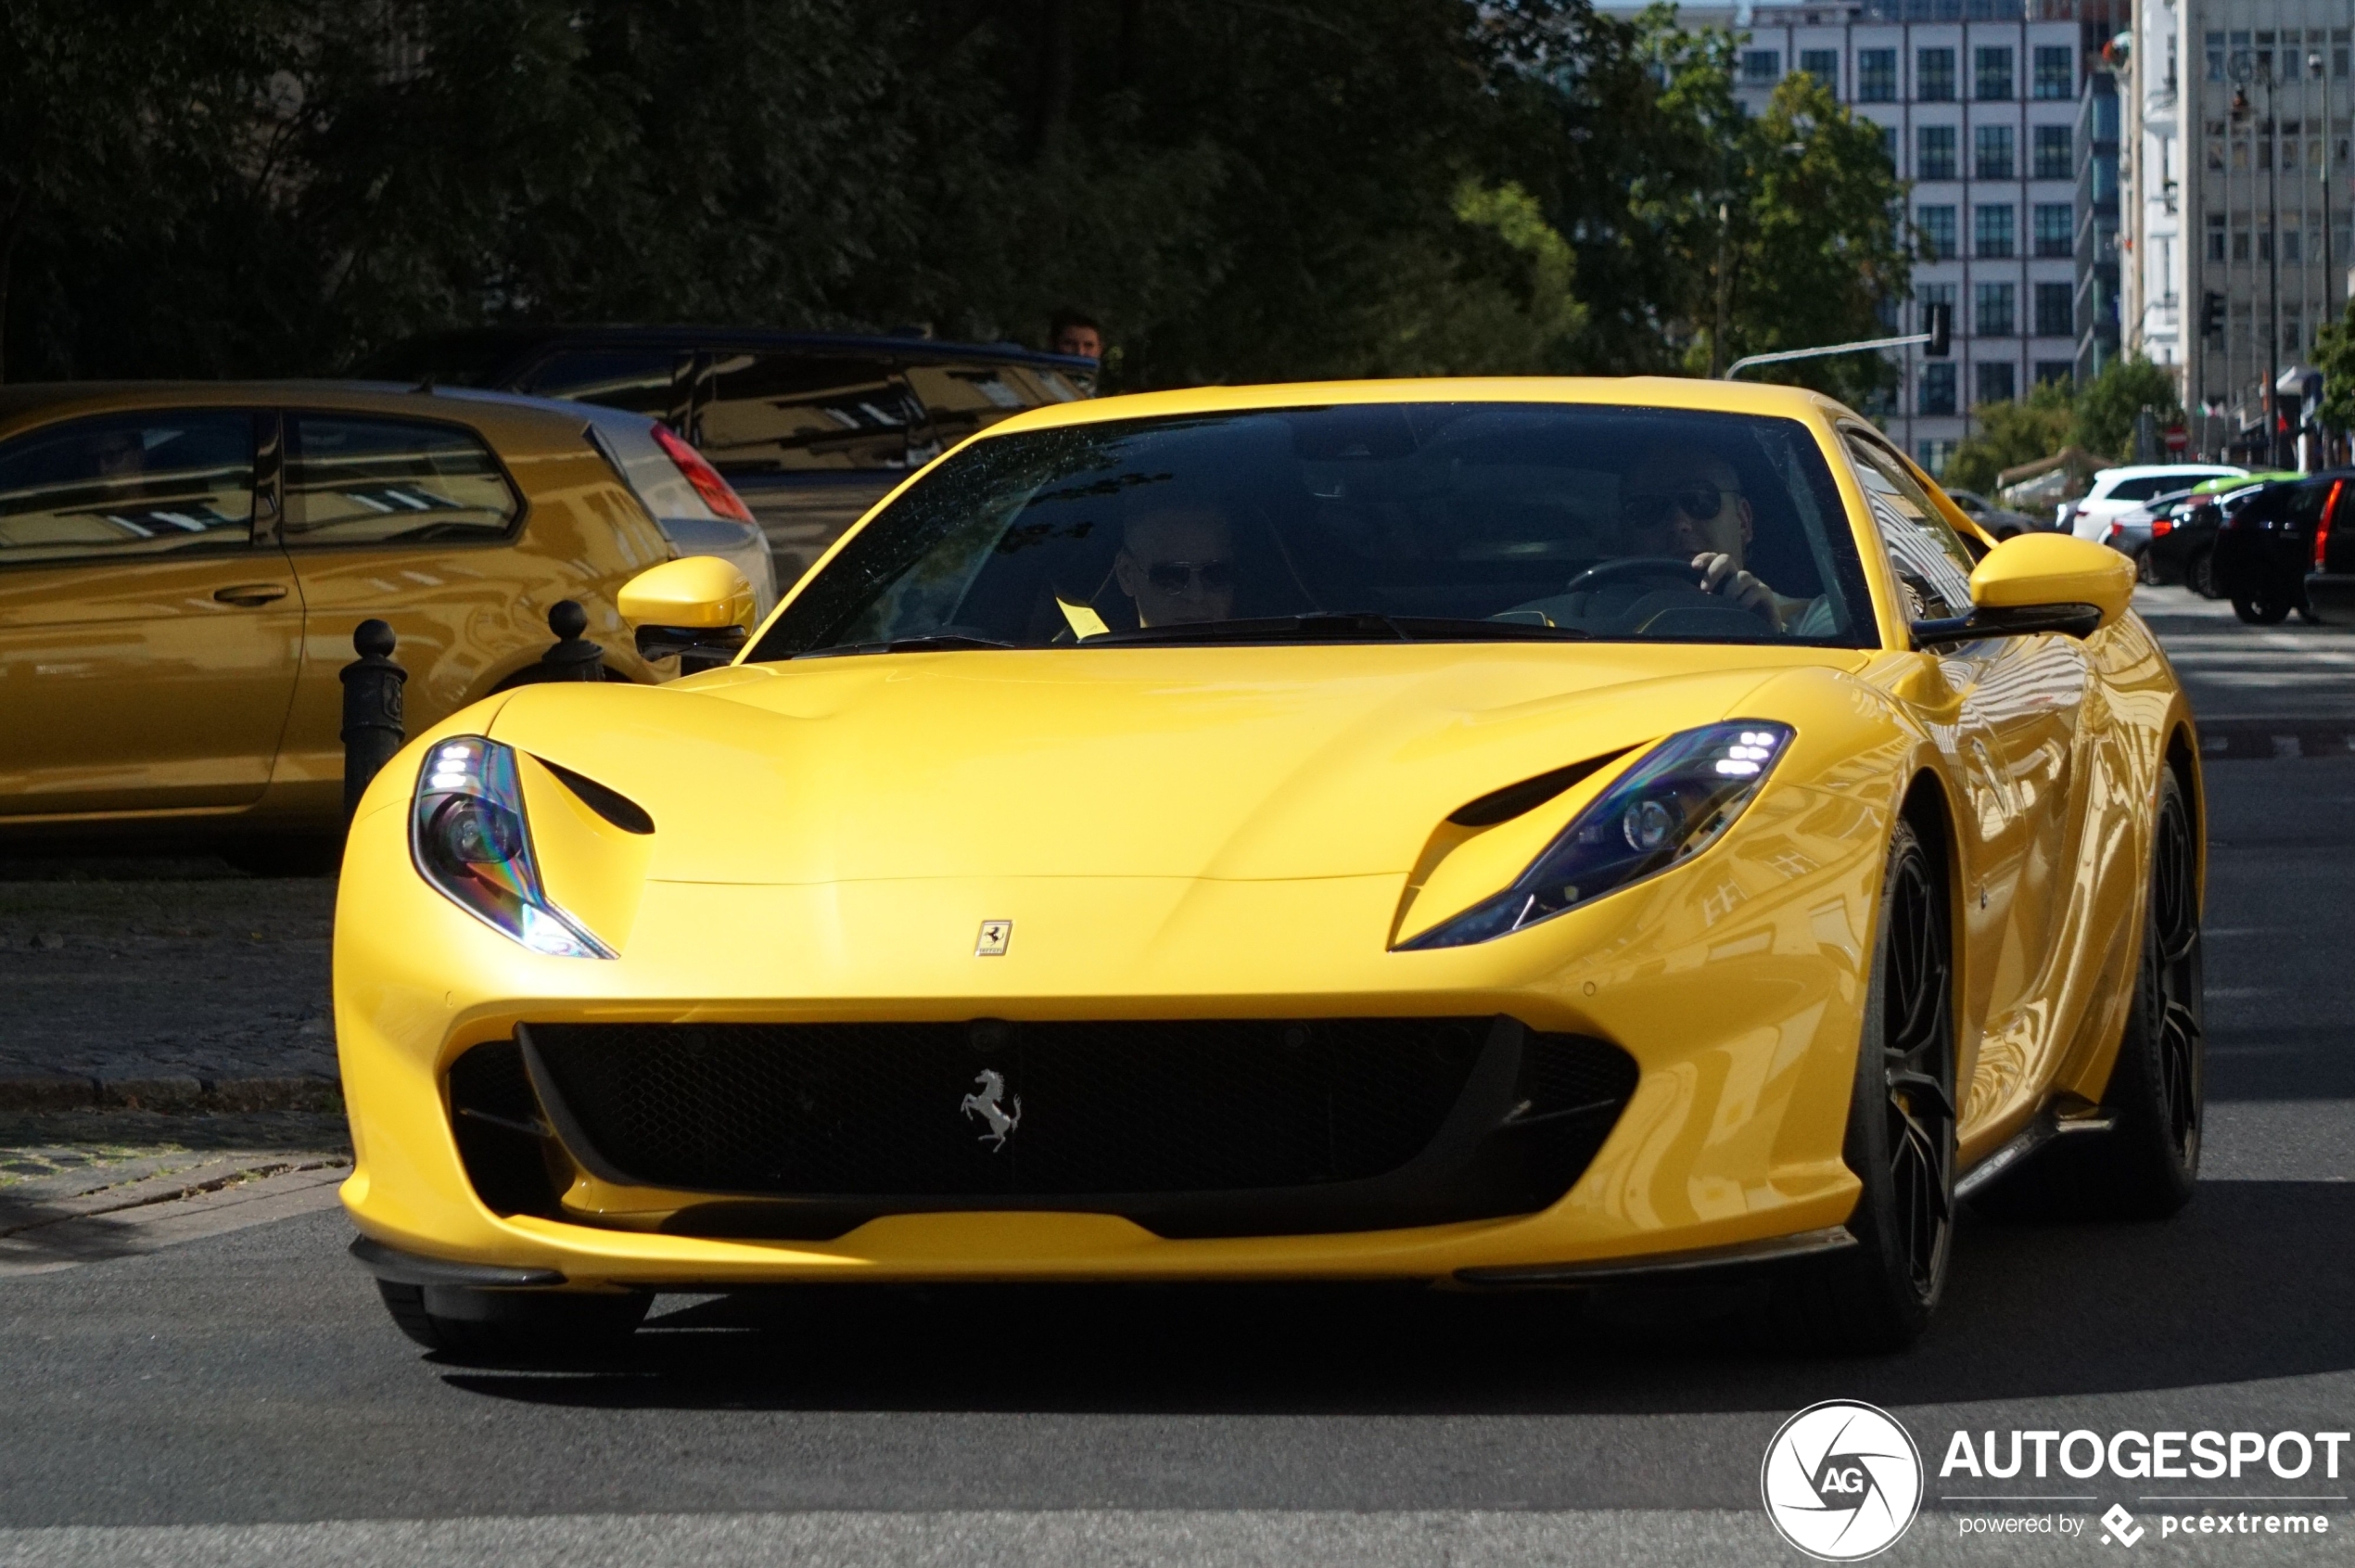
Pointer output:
x,y
1682,503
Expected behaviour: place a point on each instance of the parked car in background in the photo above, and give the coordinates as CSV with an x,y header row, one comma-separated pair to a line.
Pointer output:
x,y
2130,533
811,429
2183,541
2330,586
2265,547
2115,490
1999,522
181,566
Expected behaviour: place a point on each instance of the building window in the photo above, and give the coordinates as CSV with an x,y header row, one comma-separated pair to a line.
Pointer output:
x,y
1991,75
2053,71
2053,310
1876,76
1889,146
2216,57
1996,384
1824,66
1991,152
2290,244
2216,236
1991,231
1938,233
1994,309
1934,152
2055,228
1934,76
2052,149
1761,67
2051,371
1938,390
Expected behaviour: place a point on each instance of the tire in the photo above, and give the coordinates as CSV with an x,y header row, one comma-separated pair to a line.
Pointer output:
x,y
514,1327
2201,575
2147,1165
1878,1294
2262,610
2146,571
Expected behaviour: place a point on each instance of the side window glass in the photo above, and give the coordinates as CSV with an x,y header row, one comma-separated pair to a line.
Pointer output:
x,y
353,480
767,414
1930,563
2306,504
648,381
128,485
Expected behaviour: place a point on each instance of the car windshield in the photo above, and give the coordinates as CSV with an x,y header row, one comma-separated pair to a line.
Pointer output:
x,y
1364,522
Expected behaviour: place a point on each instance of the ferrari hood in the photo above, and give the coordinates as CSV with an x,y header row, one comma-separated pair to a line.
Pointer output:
x,y
1227,763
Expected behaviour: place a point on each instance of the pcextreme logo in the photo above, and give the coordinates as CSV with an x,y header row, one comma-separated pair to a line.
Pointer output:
x,y
1841,1481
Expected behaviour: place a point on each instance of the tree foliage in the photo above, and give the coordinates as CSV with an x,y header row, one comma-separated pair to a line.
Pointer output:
x,y
2335,357
2098,416
1241,189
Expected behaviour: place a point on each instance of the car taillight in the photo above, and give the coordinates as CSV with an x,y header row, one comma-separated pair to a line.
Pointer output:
x,y
2161,527
716,491
2323,528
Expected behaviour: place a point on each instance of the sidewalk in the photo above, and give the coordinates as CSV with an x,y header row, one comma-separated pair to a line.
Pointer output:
x,y
161,984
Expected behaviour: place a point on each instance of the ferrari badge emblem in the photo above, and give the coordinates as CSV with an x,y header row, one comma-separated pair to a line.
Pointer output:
x,y
986,1105
995,935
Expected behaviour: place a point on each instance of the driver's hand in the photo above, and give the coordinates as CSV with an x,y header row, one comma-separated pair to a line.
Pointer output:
x,y
1720,576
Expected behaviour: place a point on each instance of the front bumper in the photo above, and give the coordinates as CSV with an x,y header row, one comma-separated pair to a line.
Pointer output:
x,y
1735,983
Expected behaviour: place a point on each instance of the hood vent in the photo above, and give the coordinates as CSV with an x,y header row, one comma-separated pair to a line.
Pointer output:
x,y
610,804
1504,804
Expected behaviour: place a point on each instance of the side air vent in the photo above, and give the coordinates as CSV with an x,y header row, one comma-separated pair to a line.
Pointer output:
x,y
610,804
1504,804
504,1139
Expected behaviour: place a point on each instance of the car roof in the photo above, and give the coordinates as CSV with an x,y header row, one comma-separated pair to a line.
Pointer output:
x,y
1639,391
24,405
512,342
2148,470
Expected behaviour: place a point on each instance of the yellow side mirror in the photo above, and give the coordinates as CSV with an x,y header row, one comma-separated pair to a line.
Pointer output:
x,y
699,608
2036,582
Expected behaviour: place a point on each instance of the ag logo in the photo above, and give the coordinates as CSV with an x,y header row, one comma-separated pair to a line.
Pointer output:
x,y
1841,1481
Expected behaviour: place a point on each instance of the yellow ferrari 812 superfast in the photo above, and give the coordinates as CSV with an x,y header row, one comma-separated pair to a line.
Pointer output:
x,y
1494,832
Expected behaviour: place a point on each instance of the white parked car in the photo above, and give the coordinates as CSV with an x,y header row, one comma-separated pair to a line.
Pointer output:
x,y
2120,490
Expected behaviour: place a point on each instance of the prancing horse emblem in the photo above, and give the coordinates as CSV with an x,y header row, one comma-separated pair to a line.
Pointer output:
x,y
1002,1121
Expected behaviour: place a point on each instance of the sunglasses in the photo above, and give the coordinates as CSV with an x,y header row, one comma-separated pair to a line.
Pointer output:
x,y
1176,577
1700,502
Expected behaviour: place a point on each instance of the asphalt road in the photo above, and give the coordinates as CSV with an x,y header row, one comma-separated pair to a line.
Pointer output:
x,y
238,1397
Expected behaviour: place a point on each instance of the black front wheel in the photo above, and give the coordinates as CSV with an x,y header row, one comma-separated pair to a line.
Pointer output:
x,y
2201,575
1878,1294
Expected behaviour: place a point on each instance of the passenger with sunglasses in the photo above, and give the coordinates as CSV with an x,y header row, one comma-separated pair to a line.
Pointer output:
x,y
1681,503
1177,563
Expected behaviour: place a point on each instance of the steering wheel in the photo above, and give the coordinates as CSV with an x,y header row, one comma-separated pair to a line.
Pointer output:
x,y
1678,568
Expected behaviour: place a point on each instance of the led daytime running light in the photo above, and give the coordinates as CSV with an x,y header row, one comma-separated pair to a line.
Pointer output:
x,y
469,838
1673,803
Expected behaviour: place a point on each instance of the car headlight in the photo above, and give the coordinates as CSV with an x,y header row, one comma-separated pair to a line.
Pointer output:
x,y
1676,802
469,838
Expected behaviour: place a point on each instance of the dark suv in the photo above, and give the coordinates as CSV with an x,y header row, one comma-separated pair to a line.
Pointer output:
x,y
811,429
2265,548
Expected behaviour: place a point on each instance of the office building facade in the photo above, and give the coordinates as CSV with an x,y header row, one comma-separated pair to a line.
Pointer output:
x,y
1979,105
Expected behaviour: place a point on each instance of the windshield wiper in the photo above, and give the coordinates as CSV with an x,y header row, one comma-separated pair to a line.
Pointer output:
x,y
938,642
1345,626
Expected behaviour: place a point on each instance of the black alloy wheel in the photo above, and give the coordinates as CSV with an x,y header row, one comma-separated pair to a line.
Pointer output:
x,y
2147,1167
2201,575
1878,1294
2146,569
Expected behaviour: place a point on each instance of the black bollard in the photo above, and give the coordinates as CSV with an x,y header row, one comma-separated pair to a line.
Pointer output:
x,y
571,657
372,719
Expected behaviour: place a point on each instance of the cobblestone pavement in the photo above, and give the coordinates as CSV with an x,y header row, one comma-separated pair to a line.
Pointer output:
x,y
159,979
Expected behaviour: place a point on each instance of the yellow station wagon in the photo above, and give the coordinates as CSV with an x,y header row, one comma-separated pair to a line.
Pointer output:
x,y
182,566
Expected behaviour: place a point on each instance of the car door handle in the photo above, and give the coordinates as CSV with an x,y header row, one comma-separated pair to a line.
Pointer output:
x,y
251,593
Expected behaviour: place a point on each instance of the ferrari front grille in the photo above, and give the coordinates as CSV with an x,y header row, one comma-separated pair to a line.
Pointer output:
x,y
1225,1126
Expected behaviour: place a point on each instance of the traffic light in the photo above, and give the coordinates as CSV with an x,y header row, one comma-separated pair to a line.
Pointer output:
x,y
1939,322
2211,315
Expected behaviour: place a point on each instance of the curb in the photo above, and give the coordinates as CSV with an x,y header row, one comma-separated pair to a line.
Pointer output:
x,y
187,1096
